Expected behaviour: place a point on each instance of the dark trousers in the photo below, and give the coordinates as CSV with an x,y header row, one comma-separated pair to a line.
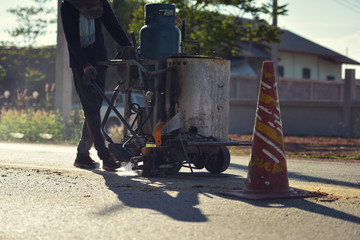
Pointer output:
x,y
91,102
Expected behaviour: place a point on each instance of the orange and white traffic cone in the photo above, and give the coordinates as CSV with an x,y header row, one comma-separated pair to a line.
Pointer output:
x,y
267,173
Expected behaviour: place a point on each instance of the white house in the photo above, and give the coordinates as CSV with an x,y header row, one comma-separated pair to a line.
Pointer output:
x,y
298,58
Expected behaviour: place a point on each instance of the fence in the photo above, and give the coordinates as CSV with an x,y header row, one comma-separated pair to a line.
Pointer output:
x,y
308,107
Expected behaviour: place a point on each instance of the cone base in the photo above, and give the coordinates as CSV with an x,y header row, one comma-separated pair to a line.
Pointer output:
x,y
265,195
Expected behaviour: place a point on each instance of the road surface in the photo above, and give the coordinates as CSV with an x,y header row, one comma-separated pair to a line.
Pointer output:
x,y
42,196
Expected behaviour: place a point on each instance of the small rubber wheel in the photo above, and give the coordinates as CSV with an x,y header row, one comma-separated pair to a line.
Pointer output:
x,y
220,162
148,167
174,170
177,157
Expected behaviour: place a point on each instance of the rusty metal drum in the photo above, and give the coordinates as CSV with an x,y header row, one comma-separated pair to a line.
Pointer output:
x,y
201,94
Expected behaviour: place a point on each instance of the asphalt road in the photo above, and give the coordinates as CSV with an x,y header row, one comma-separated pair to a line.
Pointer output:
x,y
43,197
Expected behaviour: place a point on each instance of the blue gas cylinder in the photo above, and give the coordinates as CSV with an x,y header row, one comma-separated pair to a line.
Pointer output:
x,y
160,37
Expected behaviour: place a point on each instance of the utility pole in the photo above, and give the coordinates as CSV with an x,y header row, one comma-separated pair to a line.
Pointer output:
x,y
274,48
63,79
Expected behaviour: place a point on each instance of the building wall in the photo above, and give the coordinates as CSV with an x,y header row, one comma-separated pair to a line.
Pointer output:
x,y
320,68
298,118
329,69
312,107
286,60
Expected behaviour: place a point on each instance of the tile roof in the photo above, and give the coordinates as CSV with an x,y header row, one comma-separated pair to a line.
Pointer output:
x,y
291,42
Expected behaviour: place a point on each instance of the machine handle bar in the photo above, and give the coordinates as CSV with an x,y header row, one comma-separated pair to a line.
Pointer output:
x,y
115,62
111,105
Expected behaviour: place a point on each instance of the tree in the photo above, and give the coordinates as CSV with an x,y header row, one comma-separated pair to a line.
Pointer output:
x,y
33,75
2,73
219,24
124,10
137,21
32,22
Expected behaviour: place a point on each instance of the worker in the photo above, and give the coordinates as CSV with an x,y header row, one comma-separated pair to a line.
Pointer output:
x,y
82,23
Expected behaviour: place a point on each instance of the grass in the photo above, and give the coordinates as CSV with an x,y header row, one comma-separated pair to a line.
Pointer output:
x,y
330,155
32,125
326,156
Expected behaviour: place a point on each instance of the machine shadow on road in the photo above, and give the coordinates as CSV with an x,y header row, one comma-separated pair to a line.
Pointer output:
x,y
177,196
174,196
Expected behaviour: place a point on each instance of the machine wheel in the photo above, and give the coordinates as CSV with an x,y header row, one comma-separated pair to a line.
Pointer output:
x,y
220,162
174,170
178,157
148,166
199,161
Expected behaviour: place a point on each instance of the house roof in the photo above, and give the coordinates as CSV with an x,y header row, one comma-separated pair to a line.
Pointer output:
x,y
254,50
291,42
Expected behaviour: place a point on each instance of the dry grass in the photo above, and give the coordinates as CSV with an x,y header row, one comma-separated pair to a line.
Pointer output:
x,y
310,147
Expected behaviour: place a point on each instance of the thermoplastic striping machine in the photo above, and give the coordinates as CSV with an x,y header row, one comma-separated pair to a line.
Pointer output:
x,y
185,120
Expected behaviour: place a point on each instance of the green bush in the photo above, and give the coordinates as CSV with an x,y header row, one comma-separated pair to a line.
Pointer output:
x,y
72,131
39,126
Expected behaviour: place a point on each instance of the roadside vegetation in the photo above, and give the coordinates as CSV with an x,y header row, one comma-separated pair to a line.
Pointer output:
x,y
309,147
39,125
330,155
29,118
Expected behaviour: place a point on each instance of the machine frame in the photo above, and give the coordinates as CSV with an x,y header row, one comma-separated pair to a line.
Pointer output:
x,y
144,143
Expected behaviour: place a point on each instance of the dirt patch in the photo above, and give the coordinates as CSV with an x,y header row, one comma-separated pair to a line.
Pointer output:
x,y
325,197
314,147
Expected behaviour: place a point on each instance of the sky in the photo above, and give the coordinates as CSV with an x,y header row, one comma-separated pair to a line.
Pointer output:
x,y
334,24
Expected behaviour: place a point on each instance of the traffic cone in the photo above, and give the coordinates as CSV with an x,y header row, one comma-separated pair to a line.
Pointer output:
x,y
267,173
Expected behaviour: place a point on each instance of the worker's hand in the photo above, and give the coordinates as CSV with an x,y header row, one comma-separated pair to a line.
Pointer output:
x,y
89,74
126,52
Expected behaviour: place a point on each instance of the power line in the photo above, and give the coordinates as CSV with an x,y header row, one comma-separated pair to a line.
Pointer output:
x,y
349,5
354,2
352,5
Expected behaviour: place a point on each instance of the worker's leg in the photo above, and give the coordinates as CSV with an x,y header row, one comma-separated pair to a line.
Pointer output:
x,y
91,102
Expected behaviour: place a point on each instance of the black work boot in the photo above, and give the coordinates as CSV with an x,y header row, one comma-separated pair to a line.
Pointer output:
x,y
110,163
84,160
